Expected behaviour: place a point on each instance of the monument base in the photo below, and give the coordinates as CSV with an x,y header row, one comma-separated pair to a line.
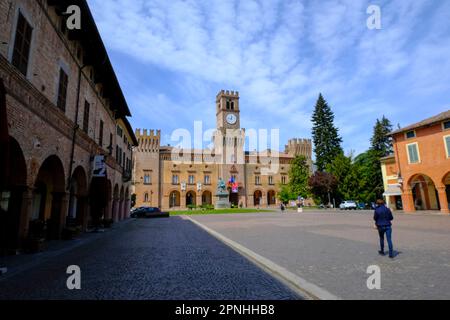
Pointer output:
x,y
223,201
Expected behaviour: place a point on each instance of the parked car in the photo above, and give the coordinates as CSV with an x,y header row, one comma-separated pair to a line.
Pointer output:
x,y
149,212
362,206
348,205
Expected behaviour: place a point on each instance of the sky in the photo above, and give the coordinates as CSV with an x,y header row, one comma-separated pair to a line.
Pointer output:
x,y
173,57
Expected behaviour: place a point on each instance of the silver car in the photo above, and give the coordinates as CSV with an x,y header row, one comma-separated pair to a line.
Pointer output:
x,y
349,205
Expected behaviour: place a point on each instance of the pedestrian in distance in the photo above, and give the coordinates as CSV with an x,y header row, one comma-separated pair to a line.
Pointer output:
x,y
282,207
383,220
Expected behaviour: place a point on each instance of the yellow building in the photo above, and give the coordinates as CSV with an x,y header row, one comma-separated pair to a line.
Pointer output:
x,y
174,179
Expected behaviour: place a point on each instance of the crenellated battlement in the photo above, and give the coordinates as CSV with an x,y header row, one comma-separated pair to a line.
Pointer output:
x,y
297,147
228,94
149,140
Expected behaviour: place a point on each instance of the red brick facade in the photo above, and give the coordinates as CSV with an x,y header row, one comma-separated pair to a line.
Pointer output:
x,y
52,154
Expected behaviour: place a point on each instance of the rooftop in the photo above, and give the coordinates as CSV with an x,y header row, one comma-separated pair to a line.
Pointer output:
x,y
424,123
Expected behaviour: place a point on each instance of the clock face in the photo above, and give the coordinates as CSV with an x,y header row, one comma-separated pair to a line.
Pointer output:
x,y
231,119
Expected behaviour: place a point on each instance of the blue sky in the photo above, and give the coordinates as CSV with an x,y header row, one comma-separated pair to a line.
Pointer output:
x,y
173,57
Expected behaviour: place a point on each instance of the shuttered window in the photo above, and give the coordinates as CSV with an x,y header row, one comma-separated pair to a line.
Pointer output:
x,y
413,153
447,145
62,90
22,44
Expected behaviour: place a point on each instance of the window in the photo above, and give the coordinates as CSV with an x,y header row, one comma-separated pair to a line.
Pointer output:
x,y
447,145
62,90
284,180
110,147
207,180
271,181
146,197
258,180
410,134
119,131
100,137
446,125
123,160
87,108
147,179
191,179
413,153
21,53
175,180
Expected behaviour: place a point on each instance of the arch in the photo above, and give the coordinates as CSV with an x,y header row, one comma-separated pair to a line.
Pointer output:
x,y
15,185
174,199
424,192
207,198
191,198
77,197
446,183
271,198
257,197
234,197
50,196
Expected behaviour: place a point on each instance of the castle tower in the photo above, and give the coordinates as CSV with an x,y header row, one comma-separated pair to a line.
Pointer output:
x,y
228,112
296,147
147,168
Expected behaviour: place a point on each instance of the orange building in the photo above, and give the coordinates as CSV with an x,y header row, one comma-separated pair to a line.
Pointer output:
x,y
420,170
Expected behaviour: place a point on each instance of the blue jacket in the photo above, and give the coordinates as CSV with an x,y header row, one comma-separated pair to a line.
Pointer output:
x,y
383,216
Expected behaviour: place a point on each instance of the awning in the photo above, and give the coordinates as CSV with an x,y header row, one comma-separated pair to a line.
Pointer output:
x,y
393,190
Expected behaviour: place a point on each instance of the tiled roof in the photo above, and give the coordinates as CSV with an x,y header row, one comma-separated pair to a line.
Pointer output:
x,y
438,118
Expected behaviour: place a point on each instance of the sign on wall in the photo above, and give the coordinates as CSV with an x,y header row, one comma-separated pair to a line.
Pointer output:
x,y
99,167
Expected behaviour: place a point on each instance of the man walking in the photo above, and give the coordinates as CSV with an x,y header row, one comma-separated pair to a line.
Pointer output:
x,y
383,220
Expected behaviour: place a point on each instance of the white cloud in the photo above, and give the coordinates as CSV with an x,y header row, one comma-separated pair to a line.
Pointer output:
x,y
280,55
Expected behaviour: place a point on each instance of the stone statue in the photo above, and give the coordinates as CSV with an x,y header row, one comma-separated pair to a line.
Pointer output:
x,y
222,196
221,187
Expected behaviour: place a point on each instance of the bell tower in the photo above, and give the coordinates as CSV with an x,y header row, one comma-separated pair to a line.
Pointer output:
x,y
228,113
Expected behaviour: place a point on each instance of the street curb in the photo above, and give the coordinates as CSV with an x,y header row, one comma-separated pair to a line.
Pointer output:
x,y
302,287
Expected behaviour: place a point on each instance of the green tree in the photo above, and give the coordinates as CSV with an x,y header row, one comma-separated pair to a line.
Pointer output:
x,y
285,195
299,173
347,173
327,142
380,141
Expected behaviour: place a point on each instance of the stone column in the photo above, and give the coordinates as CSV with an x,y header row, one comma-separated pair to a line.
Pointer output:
x,y
127,208
108,214
83,211
115,210
60,207
443,200
199,200
263,200
408,201
25,214
183,200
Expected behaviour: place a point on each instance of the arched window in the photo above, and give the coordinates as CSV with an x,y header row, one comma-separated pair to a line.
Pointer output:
x,y
146,197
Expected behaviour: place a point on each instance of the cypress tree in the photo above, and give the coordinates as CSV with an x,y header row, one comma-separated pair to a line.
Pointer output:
x,y
381,143
327,142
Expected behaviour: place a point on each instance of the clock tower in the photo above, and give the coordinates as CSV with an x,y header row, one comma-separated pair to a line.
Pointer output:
x,y
228,113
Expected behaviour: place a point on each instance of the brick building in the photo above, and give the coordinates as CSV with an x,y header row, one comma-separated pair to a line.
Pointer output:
x,y
176,179
65,109
417,177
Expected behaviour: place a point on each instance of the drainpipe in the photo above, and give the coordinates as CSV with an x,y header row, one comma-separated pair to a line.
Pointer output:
x,y
75,128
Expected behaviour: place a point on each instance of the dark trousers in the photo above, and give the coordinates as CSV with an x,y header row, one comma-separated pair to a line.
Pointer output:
x,y
388,232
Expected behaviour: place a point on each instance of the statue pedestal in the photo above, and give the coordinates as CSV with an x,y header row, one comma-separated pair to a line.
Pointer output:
x,y
223,201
